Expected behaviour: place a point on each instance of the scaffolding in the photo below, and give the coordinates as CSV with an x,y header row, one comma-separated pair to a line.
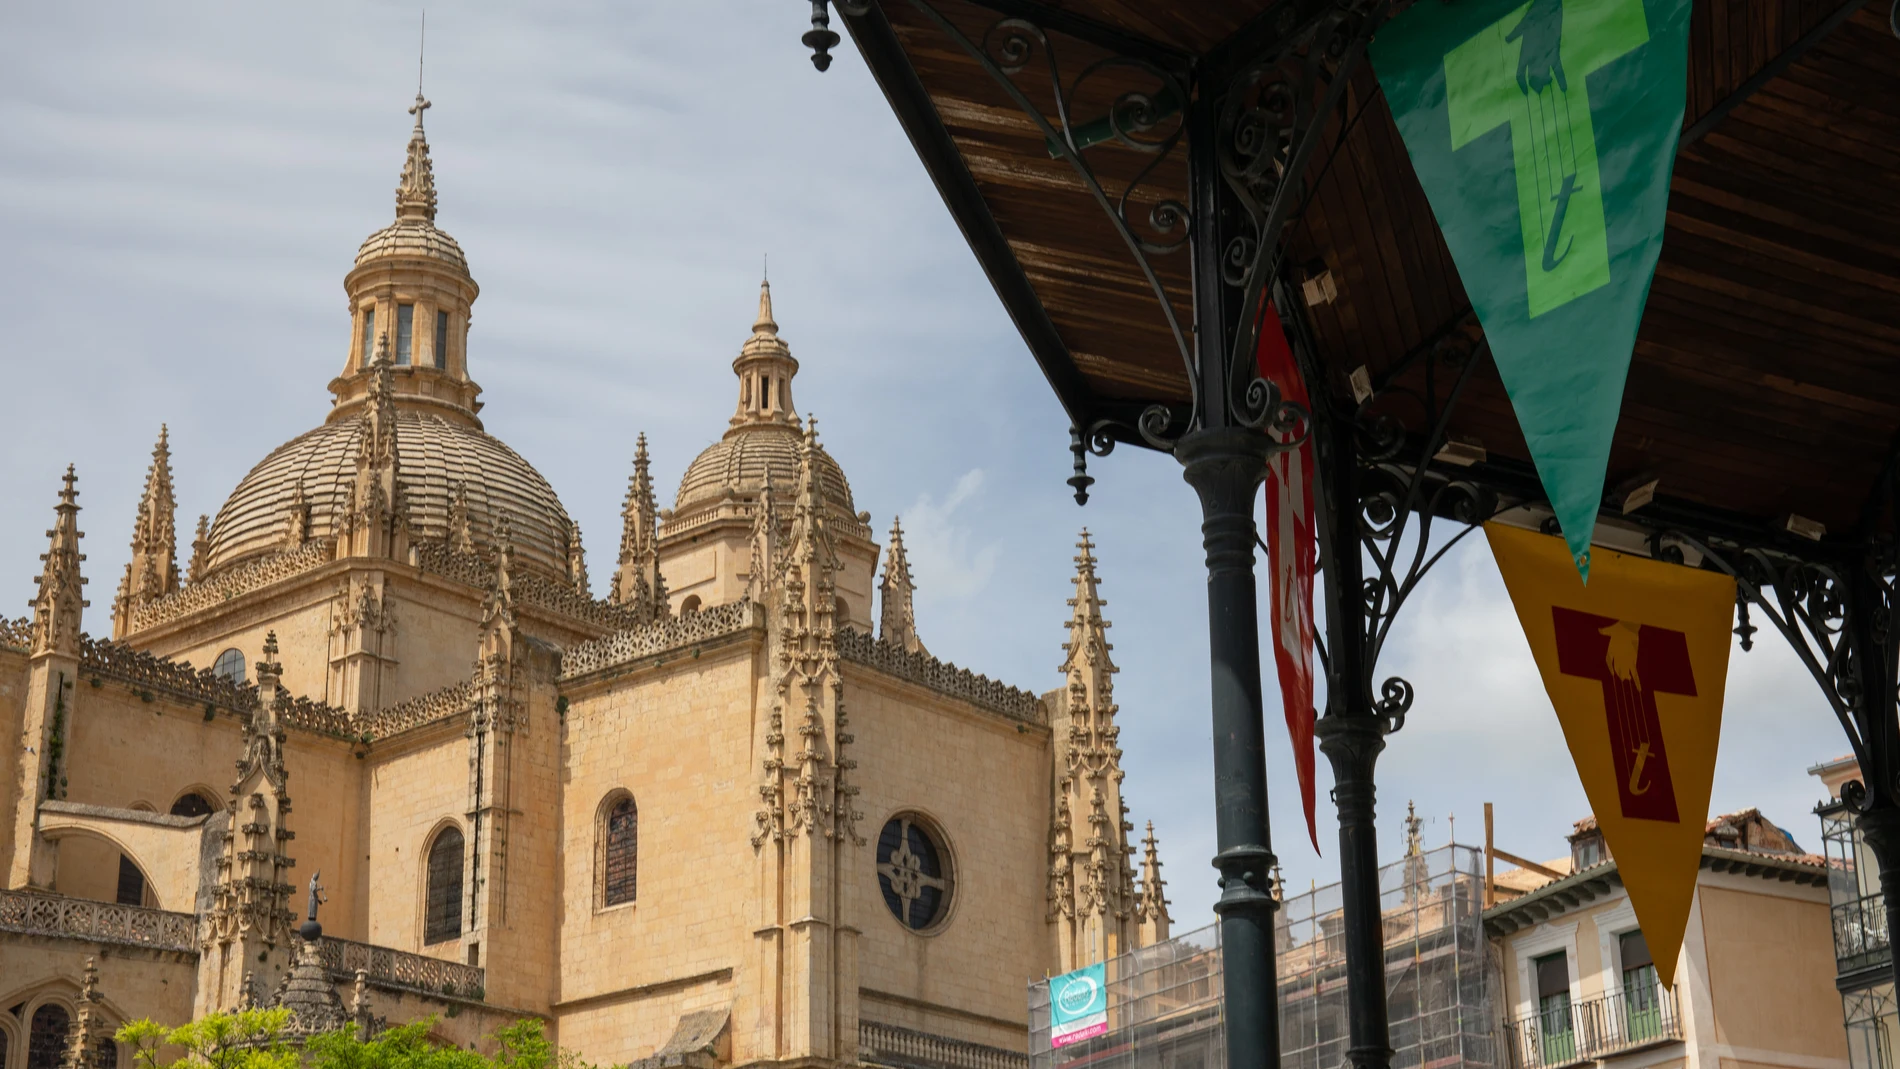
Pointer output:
x,y
1164,1001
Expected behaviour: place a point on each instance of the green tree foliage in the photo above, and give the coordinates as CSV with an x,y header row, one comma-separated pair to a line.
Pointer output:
x,y
253,1039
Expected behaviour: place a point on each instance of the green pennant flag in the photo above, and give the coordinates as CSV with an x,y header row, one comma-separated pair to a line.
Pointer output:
x,y
1544,134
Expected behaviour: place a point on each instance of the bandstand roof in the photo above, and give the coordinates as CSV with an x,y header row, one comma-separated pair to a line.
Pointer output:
x,y
1766,377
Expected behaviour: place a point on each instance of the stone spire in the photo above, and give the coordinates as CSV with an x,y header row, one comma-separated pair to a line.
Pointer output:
x,y
807,830
637,580
765,368
89,1032
1096,874
61,598
461,537
200,550
498,609
577,561
898,625
247,930
1152,911
375,525
415,191
153,570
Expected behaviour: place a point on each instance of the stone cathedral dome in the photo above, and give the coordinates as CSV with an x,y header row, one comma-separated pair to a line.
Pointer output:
x,y
761,446
410,298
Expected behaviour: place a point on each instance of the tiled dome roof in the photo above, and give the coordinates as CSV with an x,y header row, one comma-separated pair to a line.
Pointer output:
x,y
749,457
411,237
433,456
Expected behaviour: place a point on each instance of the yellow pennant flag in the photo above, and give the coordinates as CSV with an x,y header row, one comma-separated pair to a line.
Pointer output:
x,y
1635,665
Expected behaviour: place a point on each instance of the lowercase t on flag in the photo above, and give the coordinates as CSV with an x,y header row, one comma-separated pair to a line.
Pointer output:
x,y
1292,557
1635,665
1544,135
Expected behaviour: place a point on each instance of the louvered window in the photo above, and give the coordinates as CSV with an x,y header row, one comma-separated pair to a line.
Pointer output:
x,y
620,863
444,907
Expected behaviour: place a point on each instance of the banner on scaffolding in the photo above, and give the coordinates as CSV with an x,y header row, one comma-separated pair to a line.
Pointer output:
x,y
1544,135
1078,1005
1635,665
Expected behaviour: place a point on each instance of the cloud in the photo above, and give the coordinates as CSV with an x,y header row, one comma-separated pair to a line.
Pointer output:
x,y
946,555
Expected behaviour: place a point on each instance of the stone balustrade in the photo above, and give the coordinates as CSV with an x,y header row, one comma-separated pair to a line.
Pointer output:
x,y
388,967
884,1044
32,913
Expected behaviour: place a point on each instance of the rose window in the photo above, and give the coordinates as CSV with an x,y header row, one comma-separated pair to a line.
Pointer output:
x,y
913,872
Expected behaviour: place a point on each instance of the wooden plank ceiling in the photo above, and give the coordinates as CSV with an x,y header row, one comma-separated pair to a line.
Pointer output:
x,y
1766,378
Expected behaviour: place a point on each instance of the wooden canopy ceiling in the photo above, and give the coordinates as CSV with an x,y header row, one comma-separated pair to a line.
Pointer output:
x,y
1766,377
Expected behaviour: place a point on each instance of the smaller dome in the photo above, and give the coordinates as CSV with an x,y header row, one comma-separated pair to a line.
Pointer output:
x,y
744,462
411,238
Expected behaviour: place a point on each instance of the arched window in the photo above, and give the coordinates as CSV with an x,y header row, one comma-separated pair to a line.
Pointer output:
x,y
192,804
46,1037
108,1051
5,1047
619,852
443,903
841,610
230,665
690,605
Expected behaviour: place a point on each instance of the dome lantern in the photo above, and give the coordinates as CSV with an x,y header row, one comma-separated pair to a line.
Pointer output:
x,y
411,284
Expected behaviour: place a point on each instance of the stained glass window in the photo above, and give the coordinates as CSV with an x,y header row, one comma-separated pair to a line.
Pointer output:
x,y
46,1037
444,906
912,872
619,863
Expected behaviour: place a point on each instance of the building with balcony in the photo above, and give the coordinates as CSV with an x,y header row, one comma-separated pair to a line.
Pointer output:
x,y
1863,957
1545,968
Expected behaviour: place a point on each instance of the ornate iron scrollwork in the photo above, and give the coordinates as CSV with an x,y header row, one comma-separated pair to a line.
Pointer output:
x,y
1400,496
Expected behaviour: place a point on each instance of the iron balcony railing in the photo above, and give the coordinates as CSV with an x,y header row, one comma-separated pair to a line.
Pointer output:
x,y
1595,1028
1860,932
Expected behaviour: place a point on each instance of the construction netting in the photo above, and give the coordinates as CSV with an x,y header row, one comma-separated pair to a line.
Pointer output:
x,y
1164,1001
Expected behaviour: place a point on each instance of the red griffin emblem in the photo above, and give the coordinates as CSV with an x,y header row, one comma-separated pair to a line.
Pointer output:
x,y
1634,663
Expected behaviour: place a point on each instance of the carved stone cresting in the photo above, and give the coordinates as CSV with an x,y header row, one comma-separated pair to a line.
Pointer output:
x,y
1091,878
448,703
943,677
252,575
658,639
638,583
61,598
153,570
898,625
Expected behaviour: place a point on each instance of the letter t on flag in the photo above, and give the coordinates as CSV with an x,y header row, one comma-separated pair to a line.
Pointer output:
x,y
1544,134
1292,556
1635,665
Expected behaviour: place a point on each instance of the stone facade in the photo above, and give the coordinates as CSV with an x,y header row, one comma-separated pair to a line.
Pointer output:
x,y
734,813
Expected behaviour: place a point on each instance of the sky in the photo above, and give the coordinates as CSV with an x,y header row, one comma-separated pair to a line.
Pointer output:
x,y
183,187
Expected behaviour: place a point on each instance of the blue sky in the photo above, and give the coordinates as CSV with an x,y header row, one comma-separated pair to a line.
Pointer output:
x,y
181,193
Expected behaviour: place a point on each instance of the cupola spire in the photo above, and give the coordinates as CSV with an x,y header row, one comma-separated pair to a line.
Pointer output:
x,y
765,368
415,191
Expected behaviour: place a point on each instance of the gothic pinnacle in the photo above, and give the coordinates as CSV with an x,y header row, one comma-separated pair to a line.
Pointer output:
x,y
898,622
415,191
60,601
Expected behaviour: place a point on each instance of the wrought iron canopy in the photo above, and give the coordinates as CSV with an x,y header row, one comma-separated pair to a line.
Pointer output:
x,y
1766,379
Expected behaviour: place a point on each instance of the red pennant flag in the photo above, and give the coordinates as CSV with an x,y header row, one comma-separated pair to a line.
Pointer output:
x,y
1292,557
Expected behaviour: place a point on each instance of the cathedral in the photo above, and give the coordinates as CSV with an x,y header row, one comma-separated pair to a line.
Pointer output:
x,y
376,752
